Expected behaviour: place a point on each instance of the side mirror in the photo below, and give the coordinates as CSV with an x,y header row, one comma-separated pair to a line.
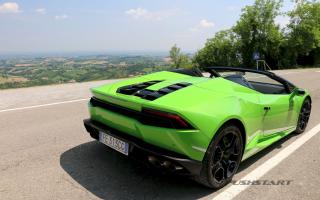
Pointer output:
x,y
300,92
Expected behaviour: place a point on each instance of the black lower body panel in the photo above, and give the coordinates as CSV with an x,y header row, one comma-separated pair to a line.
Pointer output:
x,y
145,152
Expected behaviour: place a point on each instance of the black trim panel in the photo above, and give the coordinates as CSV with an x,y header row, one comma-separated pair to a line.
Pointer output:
x,y
114,108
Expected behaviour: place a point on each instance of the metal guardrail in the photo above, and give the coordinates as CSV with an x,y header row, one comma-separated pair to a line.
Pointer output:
x,y
265,65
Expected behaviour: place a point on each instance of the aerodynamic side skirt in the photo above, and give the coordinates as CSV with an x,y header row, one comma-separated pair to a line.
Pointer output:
x,y
277,130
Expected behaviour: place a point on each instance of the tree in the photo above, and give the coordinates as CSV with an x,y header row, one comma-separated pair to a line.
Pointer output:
x,y
179,59
221,50
304,32
255,31
258,32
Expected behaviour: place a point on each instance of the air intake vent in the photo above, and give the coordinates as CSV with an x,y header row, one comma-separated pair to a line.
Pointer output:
x,y
132,89
141,91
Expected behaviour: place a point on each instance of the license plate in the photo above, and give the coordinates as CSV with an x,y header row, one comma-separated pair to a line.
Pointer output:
x,y
114,143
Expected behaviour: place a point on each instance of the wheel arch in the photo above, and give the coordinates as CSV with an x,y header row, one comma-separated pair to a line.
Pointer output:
x,y
237,122
308,97
242,128
203,178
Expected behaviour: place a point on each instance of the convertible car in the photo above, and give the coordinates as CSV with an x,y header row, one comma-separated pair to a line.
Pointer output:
x,y
200,123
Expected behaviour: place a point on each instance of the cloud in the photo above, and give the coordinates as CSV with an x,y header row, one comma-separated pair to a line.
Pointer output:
x,y
232,8
137,13
9,7
206,24
61,17
203,24
141,13
41,11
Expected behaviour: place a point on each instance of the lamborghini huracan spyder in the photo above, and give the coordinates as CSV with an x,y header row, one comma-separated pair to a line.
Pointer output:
x,y
198,123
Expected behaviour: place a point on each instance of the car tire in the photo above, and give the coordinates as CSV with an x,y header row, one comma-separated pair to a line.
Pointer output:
x,y
220,164
304,115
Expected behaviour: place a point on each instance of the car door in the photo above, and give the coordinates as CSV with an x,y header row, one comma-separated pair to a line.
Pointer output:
x,y
277,113
276,104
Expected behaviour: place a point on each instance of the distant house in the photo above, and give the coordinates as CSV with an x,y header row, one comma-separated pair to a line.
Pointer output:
x,y
122,64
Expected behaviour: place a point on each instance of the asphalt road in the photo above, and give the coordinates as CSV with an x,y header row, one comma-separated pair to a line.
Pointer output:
x,y
45,153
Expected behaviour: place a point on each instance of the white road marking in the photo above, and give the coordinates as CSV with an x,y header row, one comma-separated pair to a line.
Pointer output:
x,y
257,173
42,105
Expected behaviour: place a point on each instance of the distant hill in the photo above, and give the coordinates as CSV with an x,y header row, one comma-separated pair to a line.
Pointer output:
x,y
26,71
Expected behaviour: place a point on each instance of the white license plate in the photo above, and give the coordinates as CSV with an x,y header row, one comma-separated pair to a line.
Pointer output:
x,y
114,143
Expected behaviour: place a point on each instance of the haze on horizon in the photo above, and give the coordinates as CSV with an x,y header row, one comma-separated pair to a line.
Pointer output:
x,y
114,26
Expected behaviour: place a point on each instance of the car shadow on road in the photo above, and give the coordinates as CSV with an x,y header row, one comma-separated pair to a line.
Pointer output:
x,y
110,175
251,160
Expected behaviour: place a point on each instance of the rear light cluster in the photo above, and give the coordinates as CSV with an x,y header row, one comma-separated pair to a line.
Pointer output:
x,y
163,119
147,116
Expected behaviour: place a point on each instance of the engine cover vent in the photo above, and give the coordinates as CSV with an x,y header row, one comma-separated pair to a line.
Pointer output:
x,y
141,91
132,89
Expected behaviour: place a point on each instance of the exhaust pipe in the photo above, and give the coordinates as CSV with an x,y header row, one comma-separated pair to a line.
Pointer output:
x,y
166,164
154,161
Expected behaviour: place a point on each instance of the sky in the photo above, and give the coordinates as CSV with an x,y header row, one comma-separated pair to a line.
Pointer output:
x,y
36,26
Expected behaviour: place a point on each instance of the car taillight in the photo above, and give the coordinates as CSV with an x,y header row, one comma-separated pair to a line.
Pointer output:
x,y
163,119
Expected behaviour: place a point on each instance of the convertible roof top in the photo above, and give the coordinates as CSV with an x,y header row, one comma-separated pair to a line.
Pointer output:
x,y
221,68
214,71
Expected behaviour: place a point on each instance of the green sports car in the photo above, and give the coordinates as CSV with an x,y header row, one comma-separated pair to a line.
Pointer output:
x,y
200,123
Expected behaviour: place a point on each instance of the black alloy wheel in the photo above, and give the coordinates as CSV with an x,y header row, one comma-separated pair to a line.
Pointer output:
x,y
225,157
304,116
222,158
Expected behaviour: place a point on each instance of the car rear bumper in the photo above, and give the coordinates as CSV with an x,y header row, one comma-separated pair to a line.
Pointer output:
x,y
148,153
